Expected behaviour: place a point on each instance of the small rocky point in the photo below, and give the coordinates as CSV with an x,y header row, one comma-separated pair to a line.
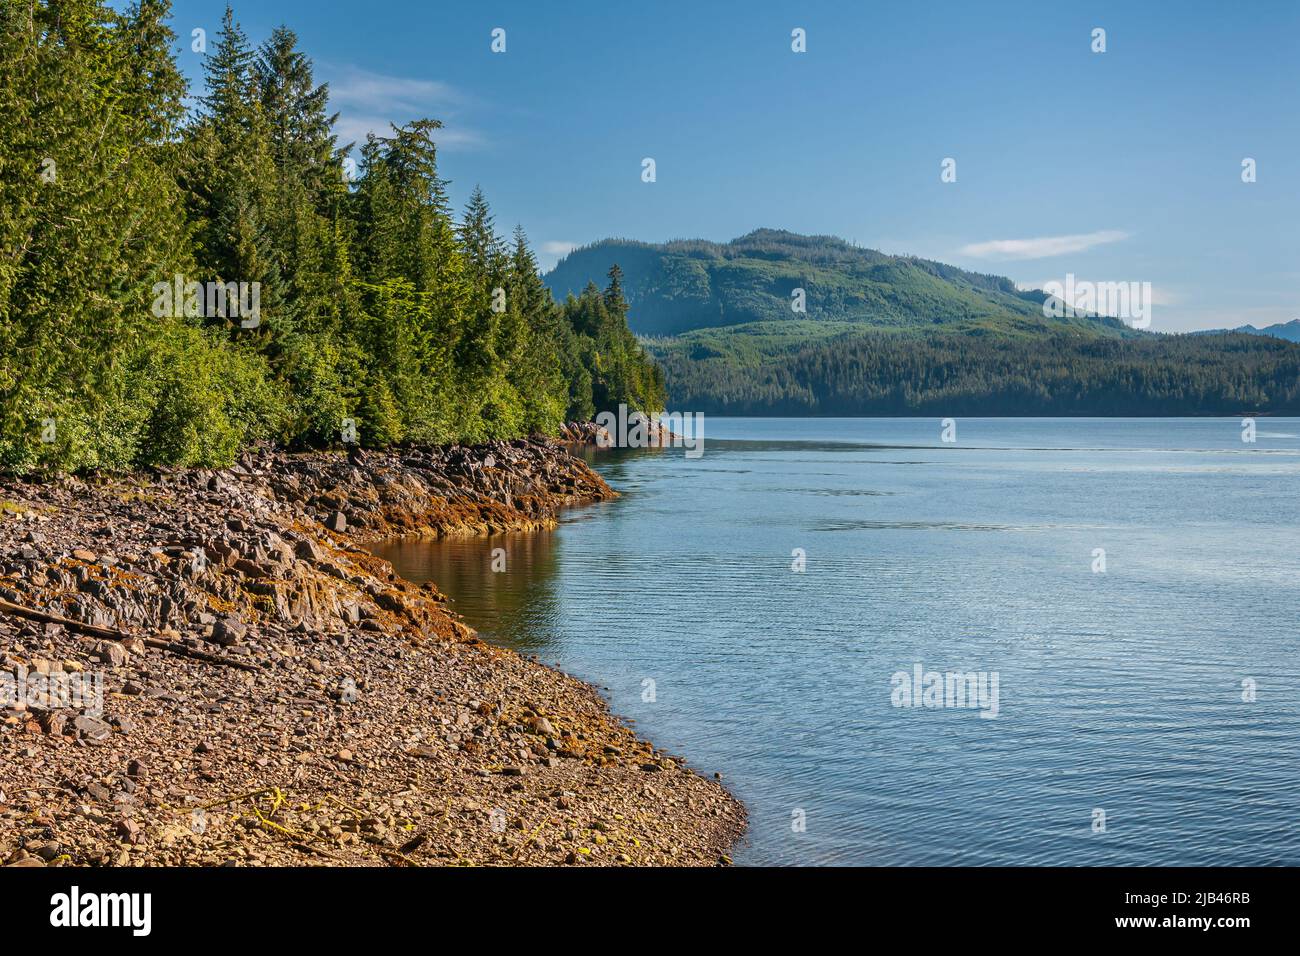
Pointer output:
x,y
592,435
275,695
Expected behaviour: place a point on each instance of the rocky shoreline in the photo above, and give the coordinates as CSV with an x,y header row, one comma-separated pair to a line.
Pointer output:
x,y
274,695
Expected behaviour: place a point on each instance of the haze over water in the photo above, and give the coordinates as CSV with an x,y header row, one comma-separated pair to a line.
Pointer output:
x,y
1119,691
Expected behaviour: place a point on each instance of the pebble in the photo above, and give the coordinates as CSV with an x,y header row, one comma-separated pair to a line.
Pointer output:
x,y
299,603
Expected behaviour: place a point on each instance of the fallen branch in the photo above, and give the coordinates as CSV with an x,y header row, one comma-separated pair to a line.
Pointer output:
x,y
109,634
306,848
184,651
94,630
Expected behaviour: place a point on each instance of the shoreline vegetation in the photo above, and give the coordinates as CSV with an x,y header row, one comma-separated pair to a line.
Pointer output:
x,y
273,694
236,275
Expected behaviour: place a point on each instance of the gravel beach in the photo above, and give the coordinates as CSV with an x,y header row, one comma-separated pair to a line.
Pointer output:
x,y
273,695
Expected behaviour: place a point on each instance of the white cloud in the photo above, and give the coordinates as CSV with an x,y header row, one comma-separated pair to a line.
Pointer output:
x,y
369,102
1042,247
353,87
549,253
353,129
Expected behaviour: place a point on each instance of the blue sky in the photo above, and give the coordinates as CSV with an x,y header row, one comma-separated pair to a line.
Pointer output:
x,y
1115,166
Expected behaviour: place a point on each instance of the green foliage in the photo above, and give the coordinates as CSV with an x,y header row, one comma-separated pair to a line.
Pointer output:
x,y
90,217
761,370
204,402
374,304
602,347
892,335
692,284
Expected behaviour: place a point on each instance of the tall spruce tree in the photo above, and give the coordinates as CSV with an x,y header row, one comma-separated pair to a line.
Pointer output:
x,y
538,370
374,303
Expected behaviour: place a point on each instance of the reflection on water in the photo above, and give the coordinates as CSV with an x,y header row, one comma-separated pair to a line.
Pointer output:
x,y
514,606
517,604
1120,691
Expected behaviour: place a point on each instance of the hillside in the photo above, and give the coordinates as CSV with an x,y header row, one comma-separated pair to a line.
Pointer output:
x,y
1290,331
758,370
683,285
895,335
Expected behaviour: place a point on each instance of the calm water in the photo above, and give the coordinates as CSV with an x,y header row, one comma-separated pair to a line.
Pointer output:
x,y
1119,691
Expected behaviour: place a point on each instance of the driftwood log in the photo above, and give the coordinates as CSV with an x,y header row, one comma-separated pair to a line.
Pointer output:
x,y
109,634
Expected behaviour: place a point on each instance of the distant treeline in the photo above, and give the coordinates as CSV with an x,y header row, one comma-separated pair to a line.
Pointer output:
x,y
960,374
373,304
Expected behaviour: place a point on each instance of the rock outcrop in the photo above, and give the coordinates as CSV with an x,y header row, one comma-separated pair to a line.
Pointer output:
x,y
274,694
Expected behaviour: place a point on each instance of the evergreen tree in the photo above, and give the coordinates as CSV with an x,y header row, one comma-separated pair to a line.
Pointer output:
x,y
536,371
614,291
307,241
415,287
296,110
374,304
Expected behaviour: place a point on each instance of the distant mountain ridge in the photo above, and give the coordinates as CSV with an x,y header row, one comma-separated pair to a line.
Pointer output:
x,y
1290,331
900,335
682,285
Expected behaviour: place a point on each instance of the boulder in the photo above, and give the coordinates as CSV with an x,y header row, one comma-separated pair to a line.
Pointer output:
x,y
229,631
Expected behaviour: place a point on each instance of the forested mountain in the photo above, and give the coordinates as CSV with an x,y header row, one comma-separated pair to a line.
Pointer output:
x,y
304,296
1290,331
770,369
693,284
892,335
